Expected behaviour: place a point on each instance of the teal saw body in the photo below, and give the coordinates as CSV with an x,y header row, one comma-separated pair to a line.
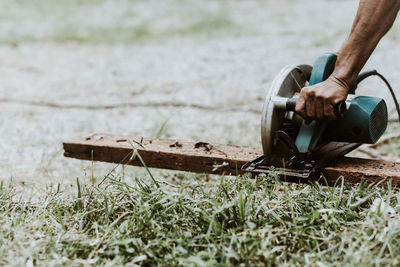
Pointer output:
x,y
364,122
310,134
301,150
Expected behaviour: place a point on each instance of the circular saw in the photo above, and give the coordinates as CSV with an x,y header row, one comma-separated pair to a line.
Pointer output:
x,y
299,150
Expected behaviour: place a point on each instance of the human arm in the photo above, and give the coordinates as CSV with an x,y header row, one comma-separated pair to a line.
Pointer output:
x,y
373,20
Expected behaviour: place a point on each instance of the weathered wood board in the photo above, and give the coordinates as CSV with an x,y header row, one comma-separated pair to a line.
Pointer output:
x,y
205,158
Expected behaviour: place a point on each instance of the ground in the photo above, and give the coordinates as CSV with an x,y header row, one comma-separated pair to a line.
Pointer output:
x,y
154,54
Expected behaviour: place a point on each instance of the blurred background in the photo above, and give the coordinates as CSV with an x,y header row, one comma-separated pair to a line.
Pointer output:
x,y
73,68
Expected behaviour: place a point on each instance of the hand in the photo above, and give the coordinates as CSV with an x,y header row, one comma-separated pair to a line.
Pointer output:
x,y
317,102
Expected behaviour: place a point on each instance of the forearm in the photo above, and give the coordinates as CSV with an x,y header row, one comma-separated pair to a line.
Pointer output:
x,y
374,18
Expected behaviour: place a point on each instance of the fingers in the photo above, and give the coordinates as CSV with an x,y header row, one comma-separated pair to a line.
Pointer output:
x,y
305,106
318,102
314,105
310,105
329,111
319,107
301,105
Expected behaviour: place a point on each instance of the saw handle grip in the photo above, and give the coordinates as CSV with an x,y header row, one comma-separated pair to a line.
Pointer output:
x,y
339,110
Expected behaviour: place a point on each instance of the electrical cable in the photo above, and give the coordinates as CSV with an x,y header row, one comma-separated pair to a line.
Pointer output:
x,y
367,74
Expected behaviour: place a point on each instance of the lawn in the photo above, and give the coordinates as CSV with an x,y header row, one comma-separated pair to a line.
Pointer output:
x,y
200,220
57,211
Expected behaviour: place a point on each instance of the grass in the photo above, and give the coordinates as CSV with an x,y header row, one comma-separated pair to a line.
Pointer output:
x,y
199,220
125,28
208,26
180,218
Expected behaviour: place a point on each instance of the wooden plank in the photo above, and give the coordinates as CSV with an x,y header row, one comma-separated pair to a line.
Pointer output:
x,y
208,158
161,153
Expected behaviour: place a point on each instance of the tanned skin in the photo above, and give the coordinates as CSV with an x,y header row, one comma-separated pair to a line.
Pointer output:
x,y
373,20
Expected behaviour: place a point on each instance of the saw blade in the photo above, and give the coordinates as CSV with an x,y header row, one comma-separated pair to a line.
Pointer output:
x,y
286,84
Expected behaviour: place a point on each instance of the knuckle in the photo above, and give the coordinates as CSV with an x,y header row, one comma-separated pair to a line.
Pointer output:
x,y
336,101
319,96
310,93
299,106
332,101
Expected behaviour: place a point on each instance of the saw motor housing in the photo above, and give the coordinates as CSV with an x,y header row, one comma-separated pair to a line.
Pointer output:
x,y
300,150
364,122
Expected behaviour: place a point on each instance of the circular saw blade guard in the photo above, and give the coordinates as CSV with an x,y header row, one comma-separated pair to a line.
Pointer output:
x,y
286,84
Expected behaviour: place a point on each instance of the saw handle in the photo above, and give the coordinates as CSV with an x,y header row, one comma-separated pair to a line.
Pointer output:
x,y
340,108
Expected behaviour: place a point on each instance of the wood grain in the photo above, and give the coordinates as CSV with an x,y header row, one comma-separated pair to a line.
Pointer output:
x,y
210,158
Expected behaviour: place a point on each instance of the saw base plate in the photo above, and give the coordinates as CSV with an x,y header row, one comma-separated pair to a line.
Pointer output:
x,y
306,167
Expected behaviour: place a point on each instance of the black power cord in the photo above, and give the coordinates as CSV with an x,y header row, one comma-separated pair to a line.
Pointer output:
x,y
367,74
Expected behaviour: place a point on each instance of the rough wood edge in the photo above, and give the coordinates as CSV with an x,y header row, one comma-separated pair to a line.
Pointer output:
x,y
213,159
